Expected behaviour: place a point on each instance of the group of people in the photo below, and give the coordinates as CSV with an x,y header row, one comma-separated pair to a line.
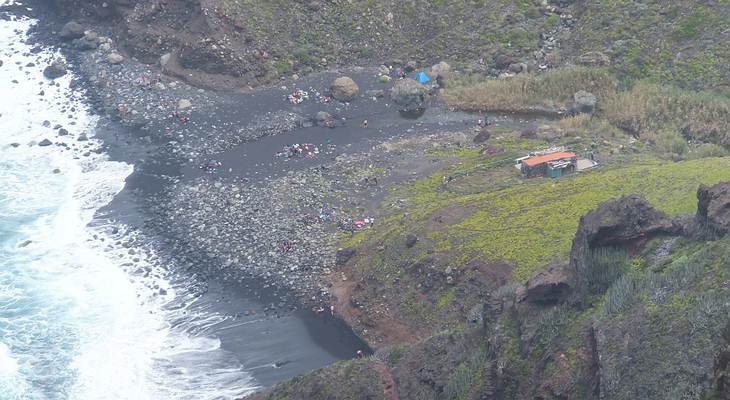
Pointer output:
x,y
306,150
211,166
484,121
286,245
146,82
298,96
180,117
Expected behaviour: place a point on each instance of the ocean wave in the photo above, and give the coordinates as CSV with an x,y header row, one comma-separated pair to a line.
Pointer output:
x,y
77,317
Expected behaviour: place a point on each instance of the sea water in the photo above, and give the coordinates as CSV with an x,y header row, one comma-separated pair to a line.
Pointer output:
x,y
75,323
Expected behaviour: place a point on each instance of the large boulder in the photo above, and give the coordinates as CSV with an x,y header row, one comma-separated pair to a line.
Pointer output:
x,y
344,89
410,66
57,69
482,136
344,255
184,104
323,118
165,59
114,58
502,61
411,240
584,102
626,222
408,94
84,44
549,285
72,30
442,70
517,68
713,209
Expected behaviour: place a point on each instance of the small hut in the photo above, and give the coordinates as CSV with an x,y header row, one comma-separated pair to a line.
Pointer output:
x,y
552,165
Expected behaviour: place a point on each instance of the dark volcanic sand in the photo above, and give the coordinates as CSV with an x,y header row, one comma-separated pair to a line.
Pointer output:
x,y
280,343
300,340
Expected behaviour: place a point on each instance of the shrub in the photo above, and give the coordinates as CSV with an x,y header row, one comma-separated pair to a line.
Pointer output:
x,y
552,89
705,311
459,382
681,273
701,117
602,267
552,323
706,150
303,55
667,140
689,26
507,291
552,21
466,375
622,294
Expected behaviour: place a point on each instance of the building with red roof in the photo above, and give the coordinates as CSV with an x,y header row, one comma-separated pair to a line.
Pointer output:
x,y
552,165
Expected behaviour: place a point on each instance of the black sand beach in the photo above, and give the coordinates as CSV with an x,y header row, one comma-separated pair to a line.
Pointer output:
x,y
267,322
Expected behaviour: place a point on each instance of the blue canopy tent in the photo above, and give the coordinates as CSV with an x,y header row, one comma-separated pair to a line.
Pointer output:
x,y
421,77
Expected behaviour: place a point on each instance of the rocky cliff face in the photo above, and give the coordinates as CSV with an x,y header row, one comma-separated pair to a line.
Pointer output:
x,y
628,222
257,42
251,42
713,210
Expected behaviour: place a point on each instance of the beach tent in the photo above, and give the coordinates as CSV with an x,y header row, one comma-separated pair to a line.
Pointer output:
x,y
421,77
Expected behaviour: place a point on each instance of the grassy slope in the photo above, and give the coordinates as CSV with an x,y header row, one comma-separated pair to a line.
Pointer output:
x,y
488,226
681,42
533,222
363,382
645,109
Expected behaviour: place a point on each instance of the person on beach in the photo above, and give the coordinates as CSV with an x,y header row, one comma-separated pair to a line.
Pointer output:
x,y
359,354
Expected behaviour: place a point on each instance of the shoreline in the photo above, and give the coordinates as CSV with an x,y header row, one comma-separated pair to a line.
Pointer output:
x,y
122,143
196,217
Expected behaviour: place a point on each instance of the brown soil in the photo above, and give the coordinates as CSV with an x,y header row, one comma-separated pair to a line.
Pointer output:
x,y
379,328
386,379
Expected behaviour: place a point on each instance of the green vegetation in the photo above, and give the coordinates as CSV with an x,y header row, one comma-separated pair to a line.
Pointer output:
x,y
466,380
665,41
362,381
531,224
647,109
674,308
551,90
661,115
552,21
603,266
689,26
445,298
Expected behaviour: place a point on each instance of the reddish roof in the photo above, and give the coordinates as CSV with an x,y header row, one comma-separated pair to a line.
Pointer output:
x,y
537,160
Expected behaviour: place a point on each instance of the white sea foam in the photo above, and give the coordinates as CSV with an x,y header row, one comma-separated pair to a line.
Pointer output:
x,y
8,365
73,323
